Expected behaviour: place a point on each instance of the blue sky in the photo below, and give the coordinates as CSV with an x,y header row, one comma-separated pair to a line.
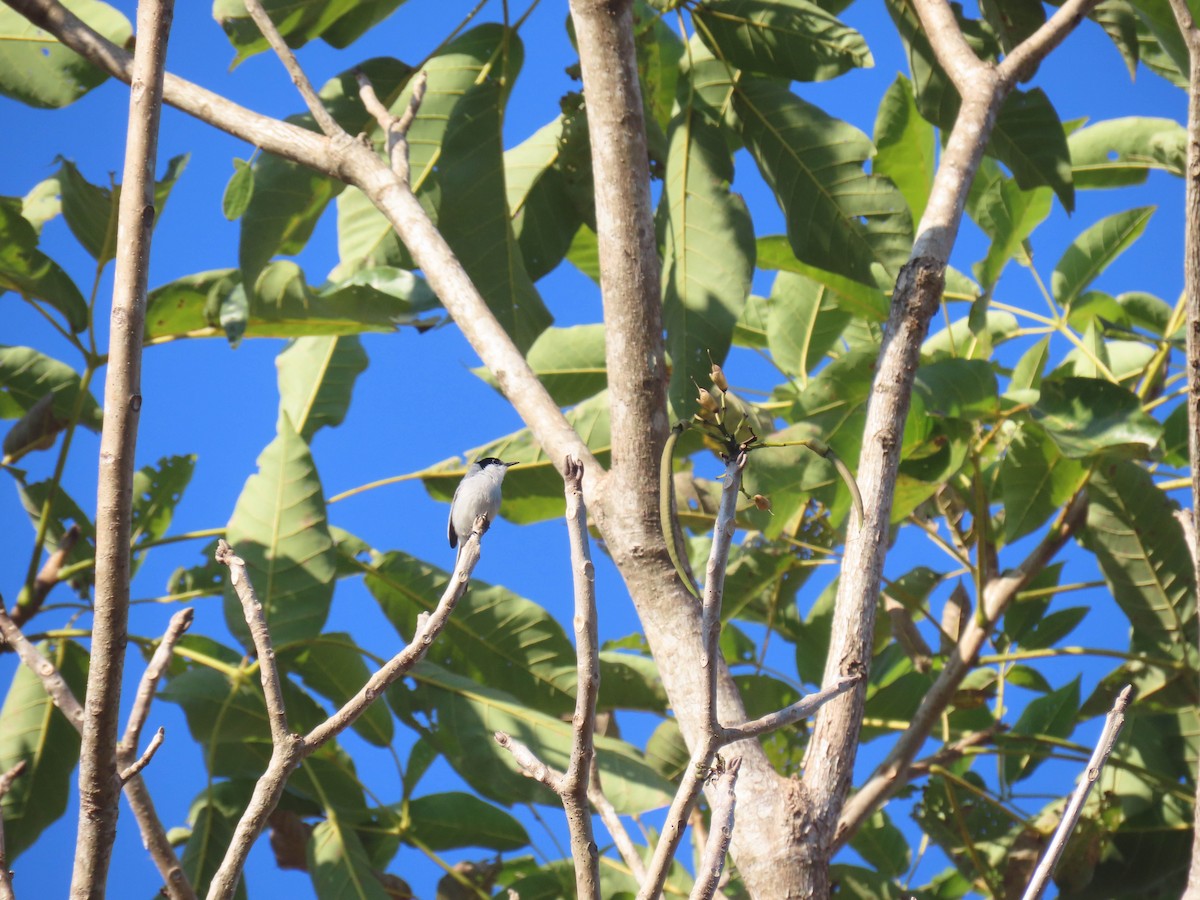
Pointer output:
x,y
418,403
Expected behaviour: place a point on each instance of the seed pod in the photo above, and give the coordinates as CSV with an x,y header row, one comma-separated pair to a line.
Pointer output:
x,y
763,503
718,377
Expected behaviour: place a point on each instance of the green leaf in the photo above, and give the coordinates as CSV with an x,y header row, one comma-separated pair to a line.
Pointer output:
x,y
1053,716
958,388
569,362
213,817
1030,140
1052,628
33,729
1007,215
1013,20
839,218
299,21
316,380
804,321
473,214
659,52
42,203
339,865
27,271
1142,552
584,253
775,253
468,714
38,70
26,376
793,39
630,681
208,304
1094,250
36,430
332,665
63,510
1027,373
1121,152
905,146
883,845
454,819
495,636
157,490
708,255
544,219
1120,23
279,528
239,191
1035,480
533,490
1084,416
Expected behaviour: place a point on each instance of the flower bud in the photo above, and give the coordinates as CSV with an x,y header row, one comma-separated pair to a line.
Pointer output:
x,y
718,377
763,503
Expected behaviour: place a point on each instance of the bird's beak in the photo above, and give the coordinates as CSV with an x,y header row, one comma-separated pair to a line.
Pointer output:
x,y
511,464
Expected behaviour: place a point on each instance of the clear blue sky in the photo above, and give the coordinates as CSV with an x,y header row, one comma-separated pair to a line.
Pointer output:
x,y
418,403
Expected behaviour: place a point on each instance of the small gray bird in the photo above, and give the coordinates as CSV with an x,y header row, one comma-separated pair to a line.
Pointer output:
x,y
478,494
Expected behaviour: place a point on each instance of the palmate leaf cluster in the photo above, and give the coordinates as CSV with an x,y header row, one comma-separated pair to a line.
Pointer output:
x,y
1020,406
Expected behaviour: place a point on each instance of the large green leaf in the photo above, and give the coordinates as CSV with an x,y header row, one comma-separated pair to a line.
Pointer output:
x,y
792,39
29,272
365,237
544,218
494,636
37,69
157,490
1053,716
213,817
289,198
1094,250
804,320
708,256
456,819
63,512
280,529
1035,480
468,714
473,214
958,388
775,253
299,21
839,218
91,210
214,304
332,665
1121,152
339,865
569,362
26,376
1142,551
316,380
1084,416
533,491
1007,215
32,729
906,149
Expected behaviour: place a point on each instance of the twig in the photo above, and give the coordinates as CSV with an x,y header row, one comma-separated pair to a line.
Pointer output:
x,y
574,791
99,786
893,772
319,113
712,863
135,768
6,781
180,622
52,680
289,750
1108,739
268,671
612,821
47,577
529,763
801,709
395,128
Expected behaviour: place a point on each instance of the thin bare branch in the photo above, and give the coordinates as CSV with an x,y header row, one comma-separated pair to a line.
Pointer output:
x,y
712,862
612,821
894,771
180,622
1108,739
1026,55
55,685
529,763
6,781
789,715
315,107
135,768
268,671
395,128
99,786
47,577
953,52
587,666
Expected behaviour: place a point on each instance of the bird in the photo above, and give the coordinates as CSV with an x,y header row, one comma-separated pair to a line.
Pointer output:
x,y
478,494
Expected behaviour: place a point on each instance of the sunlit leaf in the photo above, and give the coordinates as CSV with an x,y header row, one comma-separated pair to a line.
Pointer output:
x,y
804,320
316,380
1052,715
213,817
339,865
906,149
1121,152
1007,215
1094,250
1035,480
1087,415
456,819
27,271
568,361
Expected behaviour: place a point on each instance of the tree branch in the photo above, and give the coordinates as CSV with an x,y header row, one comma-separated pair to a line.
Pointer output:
x,y
1108,739
47,577
56,686
608,815
895,769
99,786
6,781
712,862
134,769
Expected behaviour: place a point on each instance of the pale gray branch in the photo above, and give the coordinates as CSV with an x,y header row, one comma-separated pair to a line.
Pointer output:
x,y
720,833
529,763
395,128
135,768
612,821
789,715
180,622
99,786
56,686
47,577
1108,739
